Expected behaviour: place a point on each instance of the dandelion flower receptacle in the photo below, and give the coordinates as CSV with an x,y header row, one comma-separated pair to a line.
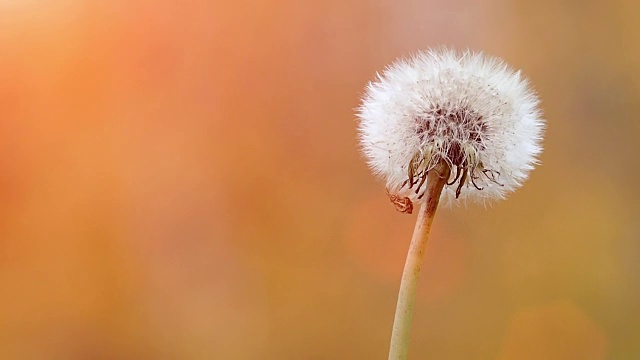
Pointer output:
x,y
452,125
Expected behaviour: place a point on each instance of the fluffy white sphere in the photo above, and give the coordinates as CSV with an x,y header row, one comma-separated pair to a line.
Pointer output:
x,y
465,109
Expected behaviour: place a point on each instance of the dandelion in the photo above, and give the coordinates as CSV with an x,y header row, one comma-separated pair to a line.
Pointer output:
x,y
452,125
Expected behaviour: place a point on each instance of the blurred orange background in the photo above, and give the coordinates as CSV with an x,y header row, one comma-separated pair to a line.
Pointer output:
x,y
181,180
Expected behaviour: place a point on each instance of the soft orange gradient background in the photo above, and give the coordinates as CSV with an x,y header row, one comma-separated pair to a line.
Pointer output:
x,y
181,180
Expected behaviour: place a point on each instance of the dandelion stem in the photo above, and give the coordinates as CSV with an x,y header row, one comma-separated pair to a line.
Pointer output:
x,y
437,178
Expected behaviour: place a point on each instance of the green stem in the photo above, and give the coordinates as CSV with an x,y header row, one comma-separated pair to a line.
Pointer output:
x,y
437,178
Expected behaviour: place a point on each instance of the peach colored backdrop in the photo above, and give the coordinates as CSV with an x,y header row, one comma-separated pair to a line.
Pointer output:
x,y
181,180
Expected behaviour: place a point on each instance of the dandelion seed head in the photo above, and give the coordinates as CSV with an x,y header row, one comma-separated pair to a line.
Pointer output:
x,y
472,112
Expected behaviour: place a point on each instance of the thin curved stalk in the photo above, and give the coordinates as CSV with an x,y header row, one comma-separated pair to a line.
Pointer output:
x,y
437,178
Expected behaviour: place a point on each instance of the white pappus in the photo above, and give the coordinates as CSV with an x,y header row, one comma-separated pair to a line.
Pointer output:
x,y
470,111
